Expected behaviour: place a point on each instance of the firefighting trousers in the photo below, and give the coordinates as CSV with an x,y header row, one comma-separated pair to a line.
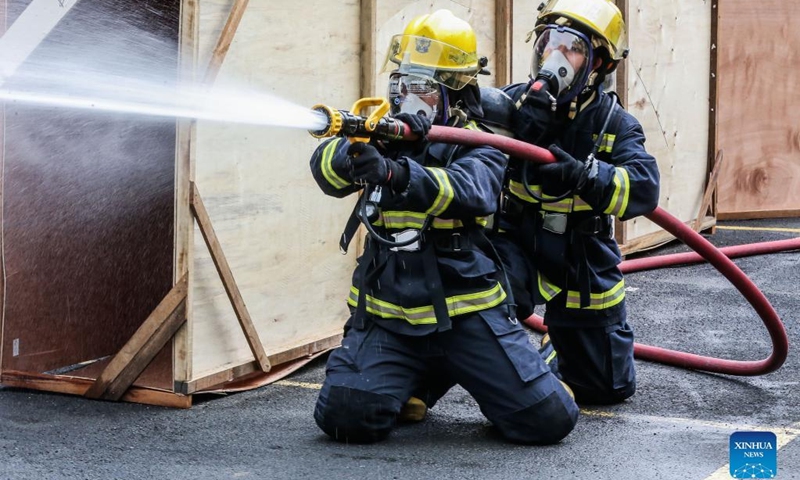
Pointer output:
x,y
371,376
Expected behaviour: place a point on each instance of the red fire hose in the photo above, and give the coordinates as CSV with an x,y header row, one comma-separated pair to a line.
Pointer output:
x,y
704,251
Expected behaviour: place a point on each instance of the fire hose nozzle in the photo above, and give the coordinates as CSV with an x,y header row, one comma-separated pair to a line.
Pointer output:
x,y
333,124
359,127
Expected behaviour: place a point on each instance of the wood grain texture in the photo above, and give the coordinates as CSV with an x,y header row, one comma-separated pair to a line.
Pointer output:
x,y
668,92
759,107
278,231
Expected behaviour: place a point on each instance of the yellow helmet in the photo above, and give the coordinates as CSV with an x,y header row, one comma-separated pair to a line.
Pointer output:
x,y
439,46
602,18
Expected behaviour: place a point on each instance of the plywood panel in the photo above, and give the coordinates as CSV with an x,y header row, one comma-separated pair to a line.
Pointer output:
x,y
278,231
668,90
759,108
87,200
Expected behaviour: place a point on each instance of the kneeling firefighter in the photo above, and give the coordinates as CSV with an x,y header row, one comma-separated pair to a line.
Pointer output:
x,y
429,303
556,237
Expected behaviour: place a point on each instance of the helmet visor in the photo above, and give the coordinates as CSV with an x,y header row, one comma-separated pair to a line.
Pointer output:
x,y
564,55
414,94
443,63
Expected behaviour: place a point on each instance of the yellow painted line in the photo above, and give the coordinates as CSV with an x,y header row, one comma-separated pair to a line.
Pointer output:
x,y
760,229
783,435
289,383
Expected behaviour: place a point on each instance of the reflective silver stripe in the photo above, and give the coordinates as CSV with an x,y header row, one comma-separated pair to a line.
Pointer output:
x,y
518,190
619,199
598,301
446,192
580,205
327,169
456,305
547,289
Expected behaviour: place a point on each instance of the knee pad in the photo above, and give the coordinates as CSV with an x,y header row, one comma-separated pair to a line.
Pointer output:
x,y
355,416
545,423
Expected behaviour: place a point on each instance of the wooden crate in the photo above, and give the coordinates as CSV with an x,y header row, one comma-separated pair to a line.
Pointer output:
x,y
236,268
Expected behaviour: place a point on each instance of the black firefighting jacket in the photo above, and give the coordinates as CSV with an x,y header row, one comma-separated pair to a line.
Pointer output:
x,y
417,289
570,243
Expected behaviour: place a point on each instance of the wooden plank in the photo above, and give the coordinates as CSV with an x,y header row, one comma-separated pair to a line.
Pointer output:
x,y
184,175
756,214
143,346
759,129
660,237
3,7
79,386
713,101
504,27
224,42
226,275
368,50
229,374
710,190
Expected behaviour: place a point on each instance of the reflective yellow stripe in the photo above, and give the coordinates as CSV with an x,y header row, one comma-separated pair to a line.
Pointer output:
x,y
406,219
446,192
472,126
327,168
456,305
598,301
547,289
607,144
619,200
518,190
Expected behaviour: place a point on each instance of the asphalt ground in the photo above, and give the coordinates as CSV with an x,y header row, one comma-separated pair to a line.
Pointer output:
x,y
677,426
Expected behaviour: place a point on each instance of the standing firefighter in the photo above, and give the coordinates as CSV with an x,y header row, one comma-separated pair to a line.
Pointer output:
x,y
428,303
556,235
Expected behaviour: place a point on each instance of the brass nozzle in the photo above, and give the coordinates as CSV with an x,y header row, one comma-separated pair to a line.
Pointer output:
x,y
334,122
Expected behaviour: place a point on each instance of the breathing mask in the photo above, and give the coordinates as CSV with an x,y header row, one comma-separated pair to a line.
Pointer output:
x,y
416,95
562,61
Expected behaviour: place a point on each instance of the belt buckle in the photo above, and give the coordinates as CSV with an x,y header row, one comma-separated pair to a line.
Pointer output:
x,y
554,222
455,242
406,235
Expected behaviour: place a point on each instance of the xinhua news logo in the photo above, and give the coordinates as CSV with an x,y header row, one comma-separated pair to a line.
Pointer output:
x,y
754,455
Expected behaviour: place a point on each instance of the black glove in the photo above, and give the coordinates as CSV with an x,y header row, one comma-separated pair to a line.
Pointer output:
x,y
369,166
420,125
538,98
566,173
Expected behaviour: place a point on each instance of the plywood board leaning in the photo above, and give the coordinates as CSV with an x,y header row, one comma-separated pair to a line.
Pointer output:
x,y
278,231
758,127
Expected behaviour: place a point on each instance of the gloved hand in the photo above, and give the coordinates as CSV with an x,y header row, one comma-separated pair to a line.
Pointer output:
x,y
566,173
420,125
369,166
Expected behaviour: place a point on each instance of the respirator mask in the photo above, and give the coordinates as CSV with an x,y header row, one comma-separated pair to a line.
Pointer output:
x,y
562,60
416,95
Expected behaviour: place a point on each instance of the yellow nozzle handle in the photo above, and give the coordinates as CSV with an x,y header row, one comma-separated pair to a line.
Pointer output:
x,y
372,120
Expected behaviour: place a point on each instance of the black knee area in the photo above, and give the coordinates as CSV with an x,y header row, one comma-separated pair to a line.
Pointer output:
x,y
545,423
356,416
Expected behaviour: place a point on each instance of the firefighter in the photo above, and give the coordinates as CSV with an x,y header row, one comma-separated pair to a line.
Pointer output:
x,y
429,304
556,228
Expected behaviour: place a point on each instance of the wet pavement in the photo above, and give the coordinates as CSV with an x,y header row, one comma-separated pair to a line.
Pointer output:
x,y
677,426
